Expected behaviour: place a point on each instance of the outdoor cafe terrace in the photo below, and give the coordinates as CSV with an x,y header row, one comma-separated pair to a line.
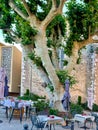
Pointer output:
x,y
8,122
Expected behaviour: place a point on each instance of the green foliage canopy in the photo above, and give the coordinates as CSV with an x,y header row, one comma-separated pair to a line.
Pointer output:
x,y
83,20
11,21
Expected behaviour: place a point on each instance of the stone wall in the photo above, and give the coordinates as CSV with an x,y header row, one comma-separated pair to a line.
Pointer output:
x,y
96,76
84,72
80,73
30,77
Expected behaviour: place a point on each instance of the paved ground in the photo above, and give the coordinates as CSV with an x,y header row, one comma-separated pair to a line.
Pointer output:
x,y
16,125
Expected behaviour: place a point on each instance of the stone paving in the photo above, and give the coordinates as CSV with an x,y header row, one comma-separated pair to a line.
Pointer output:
x,y
16,125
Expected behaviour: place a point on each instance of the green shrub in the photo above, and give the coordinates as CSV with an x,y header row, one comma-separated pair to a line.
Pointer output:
x,y
53,111
79,100
51,88
84,106
95,107
63,75
27,92
41,105
31,96
35,58
76,108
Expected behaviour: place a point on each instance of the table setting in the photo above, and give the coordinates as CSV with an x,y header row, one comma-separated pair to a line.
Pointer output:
x,y
83,118
13,102
50,120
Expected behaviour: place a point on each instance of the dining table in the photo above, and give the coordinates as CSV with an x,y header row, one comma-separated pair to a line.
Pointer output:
x,y
83,118
10,103
51,120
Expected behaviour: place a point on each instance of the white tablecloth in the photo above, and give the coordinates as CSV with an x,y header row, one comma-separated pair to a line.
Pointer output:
x,y
9,103
82,118
49,119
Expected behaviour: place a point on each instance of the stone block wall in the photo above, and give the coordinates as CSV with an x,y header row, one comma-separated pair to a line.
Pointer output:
x,y
84,72
30,77
96,80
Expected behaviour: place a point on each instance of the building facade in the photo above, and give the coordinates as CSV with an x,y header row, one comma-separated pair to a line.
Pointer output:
x,y
10,60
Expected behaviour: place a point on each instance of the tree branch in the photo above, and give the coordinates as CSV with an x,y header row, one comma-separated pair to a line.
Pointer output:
x,y
53,2
13,35
32,17
61,5
16,9
26,7
53,12
90,40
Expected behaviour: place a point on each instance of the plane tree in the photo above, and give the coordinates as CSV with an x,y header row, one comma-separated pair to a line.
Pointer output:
x,y
40,26
29,22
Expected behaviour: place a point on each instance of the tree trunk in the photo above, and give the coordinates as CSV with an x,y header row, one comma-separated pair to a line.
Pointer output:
x,y
73,59
42,52
55,59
